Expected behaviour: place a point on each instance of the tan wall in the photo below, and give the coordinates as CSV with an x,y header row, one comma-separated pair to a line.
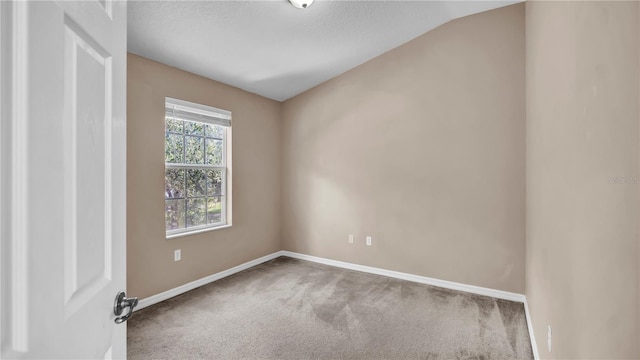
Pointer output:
x,y
256,180
582,130
421,148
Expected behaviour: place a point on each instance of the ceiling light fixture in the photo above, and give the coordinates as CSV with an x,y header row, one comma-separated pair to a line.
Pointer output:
x,y
301,4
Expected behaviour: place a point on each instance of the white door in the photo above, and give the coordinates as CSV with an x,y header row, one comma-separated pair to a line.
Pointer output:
x,y
62,152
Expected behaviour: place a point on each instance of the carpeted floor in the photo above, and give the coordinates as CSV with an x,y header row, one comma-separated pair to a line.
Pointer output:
x,y
292,309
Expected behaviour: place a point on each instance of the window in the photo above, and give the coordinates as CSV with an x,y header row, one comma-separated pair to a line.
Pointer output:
x,y
196,166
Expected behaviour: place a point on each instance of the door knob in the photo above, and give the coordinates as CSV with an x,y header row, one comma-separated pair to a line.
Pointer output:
x,y
122,302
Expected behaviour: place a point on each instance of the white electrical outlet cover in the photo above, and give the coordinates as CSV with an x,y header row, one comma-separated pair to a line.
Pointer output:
x,y
369,240
177,255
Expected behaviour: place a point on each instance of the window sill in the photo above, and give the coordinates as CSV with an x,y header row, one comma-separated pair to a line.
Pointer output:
x,y
187,233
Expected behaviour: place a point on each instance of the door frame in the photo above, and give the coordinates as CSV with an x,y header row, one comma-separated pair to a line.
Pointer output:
x,y
13,175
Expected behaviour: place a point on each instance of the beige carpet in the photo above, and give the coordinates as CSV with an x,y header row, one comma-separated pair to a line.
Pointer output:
x,y
292,309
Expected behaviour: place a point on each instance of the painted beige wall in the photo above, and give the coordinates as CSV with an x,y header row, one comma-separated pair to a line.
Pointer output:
x,y
421,148
582,131
256,180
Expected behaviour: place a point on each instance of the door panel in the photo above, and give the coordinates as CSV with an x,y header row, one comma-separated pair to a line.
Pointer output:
x,y
62,142
85,138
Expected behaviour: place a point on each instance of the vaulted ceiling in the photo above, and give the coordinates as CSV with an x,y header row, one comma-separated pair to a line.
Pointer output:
x,y
275,50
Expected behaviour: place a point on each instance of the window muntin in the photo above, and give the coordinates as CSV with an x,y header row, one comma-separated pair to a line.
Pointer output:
x,y
195,170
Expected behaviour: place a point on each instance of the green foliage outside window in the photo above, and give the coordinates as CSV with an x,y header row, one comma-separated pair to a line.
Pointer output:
x,y
193,191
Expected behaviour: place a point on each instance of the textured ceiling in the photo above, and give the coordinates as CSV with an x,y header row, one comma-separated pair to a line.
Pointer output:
x,y
275,50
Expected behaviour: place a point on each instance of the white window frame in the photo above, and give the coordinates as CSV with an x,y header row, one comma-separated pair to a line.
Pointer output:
x,y
212,116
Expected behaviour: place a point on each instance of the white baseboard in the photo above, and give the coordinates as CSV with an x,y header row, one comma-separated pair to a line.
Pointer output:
x,y
498,294
151,300
534,344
